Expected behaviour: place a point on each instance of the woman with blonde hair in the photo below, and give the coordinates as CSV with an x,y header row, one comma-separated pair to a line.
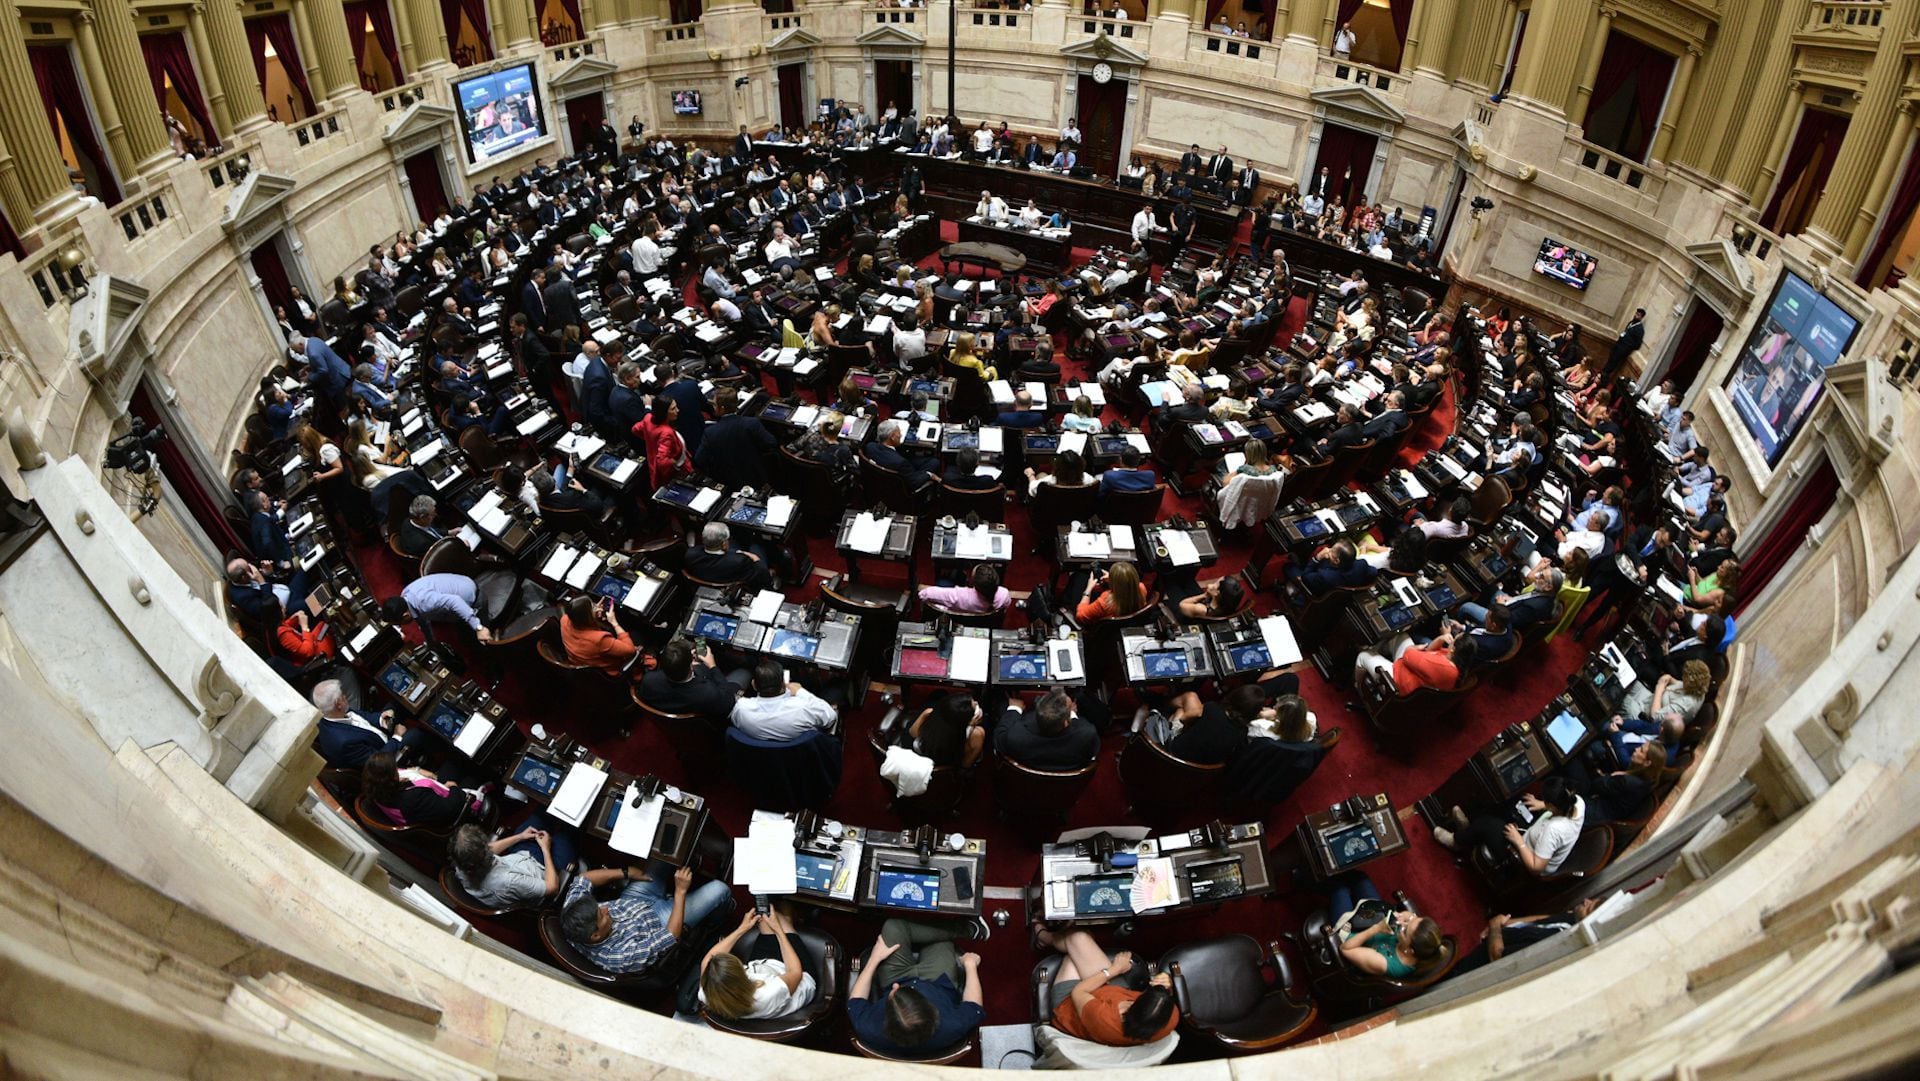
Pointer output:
x,y
772,983
1117,592
963,356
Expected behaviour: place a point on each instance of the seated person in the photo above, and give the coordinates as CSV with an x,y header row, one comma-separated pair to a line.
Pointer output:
x,y
1506,933
1695,637
345,738
1257,464
687,681
1664,711
591,633
984,593
1455,521
1113,592
1131,475
514,869
964,356
1619,796
1405,556
419,532
772,983
1440,663
1711,592
1219,598
302,639
1067,470
915,994
716,559
1083,418
779,711
1493,639
1098,996
1346,431
1531,606
1213,732
412,796
885,452
1023,414
1398,947
629,933
951,731
1049,735
1559,816
264,602
964,474
1335,566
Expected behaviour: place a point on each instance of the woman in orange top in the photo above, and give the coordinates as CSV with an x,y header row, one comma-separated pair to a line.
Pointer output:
x,y
1115,593
1092,998
1440,663
592,635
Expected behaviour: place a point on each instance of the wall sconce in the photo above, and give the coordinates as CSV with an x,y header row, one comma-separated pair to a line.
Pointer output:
x,y
72,264
1479,206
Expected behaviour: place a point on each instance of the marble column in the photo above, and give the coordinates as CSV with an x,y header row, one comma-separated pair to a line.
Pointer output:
x,y
309,55
106,108
1892,158
512,23
13,198
1843,218
1552,55
335,55
1469,43
429,33
142,133
226,37
33,177
1583,92
1427,44
1303,21
1676,100
402,18
210,83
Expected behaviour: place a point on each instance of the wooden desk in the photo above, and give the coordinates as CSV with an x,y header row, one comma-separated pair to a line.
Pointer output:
x,y
462,704
1185,658
791,636
897,548
985,251
540,768
1051,895
946,539
1333,842
1042,251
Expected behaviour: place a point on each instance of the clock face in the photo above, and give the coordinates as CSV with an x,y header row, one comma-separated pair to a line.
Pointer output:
x,y
1102,72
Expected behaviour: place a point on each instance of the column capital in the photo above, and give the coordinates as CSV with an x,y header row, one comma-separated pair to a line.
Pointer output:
x,y
84,17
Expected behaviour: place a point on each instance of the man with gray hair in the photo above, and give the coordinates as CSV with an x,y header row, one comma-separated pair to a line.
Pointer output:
x,y
1531,606
346,738
885,453
718,560
419,533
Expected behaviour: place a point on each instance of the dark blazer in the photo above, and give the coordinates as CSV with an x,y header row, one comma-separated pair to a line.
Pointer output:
x,y
1018,737
917,472
414,539
692,424
1320,576
1385,426
563,305
732,565
625,407
269,538
256,602
533,305
348,746
733,451
596,388
706,694
1623,347
1347,435
1530,609
966,482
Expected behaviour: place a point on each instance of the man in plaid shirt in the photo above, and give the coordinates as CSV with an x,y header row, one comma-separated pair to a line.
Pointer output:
x,y
630,932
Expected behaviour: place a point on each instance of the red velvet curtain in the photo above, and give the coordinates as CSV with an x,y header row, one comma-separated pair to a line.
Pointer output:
x,y
10,240
1690,353
572,8
209,511
1809,505
1348,9
1214,8
277,30
423,177
65,102
1818,129
1649,70
476,13
1402,11
1893,225
793,95
584,115
1348,156
273,276
167,58
359,13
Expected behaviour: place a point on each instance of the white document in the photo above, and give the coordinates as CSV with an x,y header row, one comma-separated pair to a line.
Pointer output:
x,y
1282,649
583,571
1405,591
495,521
972,542
779,511
580,446
868,534
1137,442
763,859
804,416
1075,442
1414,488
559,562
473,735
635,827
1233,460
429,452
968,660
1095,393
1121,536
990,441
1365,499
879,324
534,423
576,793
624,470
704,501
1180,548
1001,390
645,588
766,605
293,465
364,638
1088,546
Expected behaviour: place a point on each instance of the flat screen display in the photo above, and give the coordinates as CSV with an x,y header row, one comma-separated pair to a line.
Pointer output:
x,y
1782,370
1566,731
1564,264
686,103
499,112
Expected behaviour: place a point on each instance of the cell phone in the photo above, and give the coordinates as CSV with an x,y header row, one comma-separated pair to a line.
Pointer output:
x,y
669,836
963,883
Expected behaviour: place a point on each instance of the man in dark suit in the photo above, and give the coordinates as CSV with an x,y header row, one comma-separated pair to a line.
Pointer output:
x,y
717,559
626,406
1624,346
684,683
1183,221
757,317
346,739
265,603
1346,432
1220,169
1391,421
419,532
563,306
1190,161
734,448
1131,475
743,145
596,392
692,422
266,533
534,355
885,453
533,303
964,474
1050,736
1332,567
1249,181
1034,153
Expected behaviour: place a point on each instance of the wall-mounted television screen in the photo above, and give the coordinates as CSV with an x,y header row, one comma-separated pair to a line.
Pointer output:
x,y
499,112
1567,265
686,103
1783,367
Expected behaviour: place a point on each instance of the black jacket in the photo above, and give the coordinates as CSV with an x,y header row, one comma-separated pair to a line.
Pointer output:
x,y
734,450
706,694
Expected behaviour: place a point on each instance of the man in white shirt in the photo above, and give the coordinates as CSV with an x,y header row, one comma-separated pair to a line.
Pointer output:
x,y
1311,205
725,310
779,248
1144,226
716,280
1593,538
1380,249
647,255
991,207
909,340
1343,41
780,711
1070,133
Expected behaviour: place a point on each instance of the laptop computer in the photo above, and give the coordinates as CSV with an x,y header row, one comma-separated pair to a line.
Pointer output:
x,y
904,888
1101,895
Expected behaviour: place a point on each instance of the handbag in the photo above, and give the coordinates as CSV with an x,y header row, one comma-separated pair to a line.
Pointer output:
x,y
1365,915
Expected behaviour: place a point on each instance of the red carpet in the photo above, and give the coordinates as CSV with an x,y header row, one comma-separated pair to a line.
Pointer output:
x,y
1426,872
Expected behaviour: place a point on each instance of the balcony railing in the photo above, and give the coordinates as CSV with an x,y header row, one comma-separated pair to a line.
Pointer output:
x,y
321,125
404,95
58,271
138,217
1007,18
1861,16
1118,29
1612,166
231,167
678,32
780,24
1343,70
1747,235
564,51
892,16
1206,41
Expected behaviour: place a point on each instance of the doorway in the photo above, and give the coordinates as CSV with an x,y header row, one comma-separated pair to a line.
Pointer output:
x,y
893,86
791,80
1347,155
1690,350
584,115
1102,117
424,181
1803,177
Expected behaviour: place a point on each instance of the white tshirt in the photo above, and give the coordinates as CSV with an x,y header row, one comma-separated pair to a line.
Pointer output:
x,y
770,995
982,140
1551,837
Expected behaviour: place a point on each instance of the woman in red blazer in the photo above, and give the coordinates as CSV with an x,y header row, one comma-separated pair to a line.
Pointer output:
x,y
666,452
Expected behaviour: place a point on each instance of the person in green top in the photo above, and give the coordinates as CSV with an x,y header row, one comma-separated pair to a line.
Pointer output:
x,y
1398,947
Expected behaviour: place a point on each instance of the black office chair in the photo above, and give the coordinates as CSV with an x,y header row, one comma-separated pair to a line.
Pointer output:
x,y
1339,985
1038,798
997,618
1133,508
820,955
790,775
1163,788
663,975
1225,998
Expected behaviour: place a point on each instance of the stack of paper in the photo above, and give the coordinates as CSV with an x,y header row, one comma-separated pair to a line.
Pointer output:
x,y
1088,546
704,500
635,828
967,662
766,605
972,542
868,534
763,859
559,562
779,511
1180,548
1075,442
577,793
990,441
473,735
1282,649
624,470
583,571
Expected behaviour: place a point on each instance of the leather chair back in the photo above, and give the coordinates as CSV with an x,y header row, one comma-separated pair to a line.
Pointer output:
x,y
1132,508
483,454
820,954
1038,796
1055,505
662,975
696,741
1308,481
990,504
1161,787
1224,997
886,486
1395,717
793,775
811,483
471,907
992,620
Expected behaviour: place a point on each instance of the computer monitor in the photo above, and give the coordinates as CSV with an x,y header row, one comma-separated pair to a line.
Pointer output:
x,y
1249,656
906,888
679,494
795,644
748,514
1516,771
611,587
1100,895
1216,880
1566,731
447,721
814,872
715,627
534,775
1351,845
1165,663
1031,667
776,411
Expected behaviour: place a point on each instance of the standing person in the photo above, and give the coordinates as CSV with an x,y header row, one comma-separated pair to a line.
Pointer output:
x,y
1629,342
915,993
1343,41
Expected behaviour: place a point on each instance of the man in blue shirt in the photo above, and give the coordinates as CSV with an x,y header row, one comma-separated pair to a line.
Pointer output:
x,y
1129,475
915,993
632,931
448,598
